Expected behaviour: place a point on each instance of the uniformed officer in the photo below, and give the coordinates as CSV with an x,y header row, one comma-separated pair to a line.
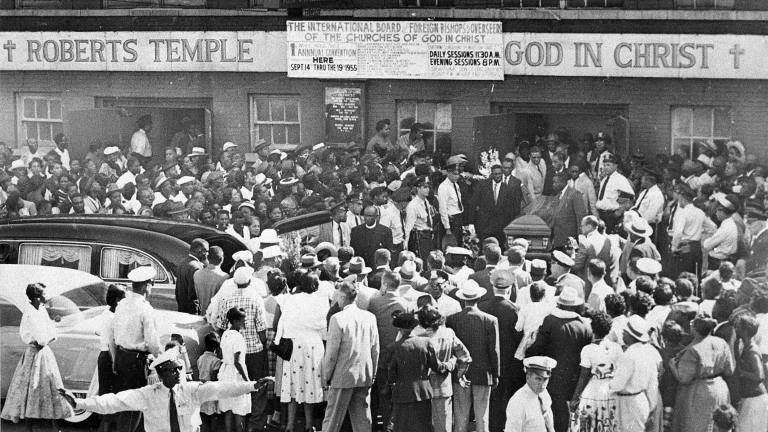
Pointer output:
x,y
168,406
133,338
530,408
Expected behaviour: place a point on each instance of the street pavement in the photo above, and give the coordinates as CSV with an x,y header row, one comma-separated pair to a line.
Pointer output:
x,y
6,426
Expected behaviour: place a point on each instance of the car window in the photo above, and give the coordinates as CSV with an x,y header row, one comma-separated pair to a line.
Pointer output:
x,y
10,315
75,305
117,262
76,257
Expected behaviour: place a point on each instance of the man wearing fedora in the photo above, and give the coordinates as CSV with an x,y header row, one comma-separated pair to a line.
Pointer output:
x,y
635,380
562,335
358,274
479,332
510,379
638,245
530,408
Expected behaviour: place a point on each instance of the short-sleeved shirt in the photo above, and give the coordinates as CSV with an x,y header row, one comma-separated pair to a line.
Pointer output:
x,y
254,317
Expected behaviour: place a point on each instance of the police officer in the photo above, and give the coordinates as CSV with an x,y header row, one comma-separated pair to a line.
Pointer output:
x,y
530,408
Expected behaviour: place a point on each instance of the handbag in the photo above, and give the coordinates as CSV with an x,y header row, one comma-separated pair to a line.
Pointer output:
x,y
284,349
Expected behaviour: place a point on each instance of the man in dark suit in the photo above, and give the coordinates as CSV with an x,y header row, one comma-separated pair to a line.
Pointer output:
x,y
569,212
186,297
381,258
371,235
494,205
492,254
512,375
557,166
479,332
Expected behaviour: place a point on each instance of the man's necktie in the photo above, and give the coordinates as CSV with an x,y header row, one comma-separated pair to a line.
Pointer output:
x,y
672,215
538,167
544,414
603,187
496,192
357,219
173,414
458,197
341,236
429,216
640,201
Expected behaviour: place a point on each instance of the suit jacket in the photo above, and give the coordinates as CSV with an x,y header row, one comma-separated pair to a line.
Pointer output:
x,y
366,240
589,251
409,366
374,277
644,248
567,218
506,313
483,278
325,234
352,352
586,187
479,331
185,285
490,216
548,177
382,306
515,187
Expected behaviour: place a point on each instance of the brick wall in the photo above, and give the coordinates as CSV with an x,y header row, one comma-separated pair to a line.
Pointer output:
x,y
647,101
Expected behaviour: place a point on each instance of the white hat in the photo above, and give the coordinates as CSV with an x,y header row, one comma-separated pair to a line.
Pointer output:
x,y
318,146
271,252
706,160
197,151
18,163
259,179
648,266
407,270
165,357
283,155
141,274
246,204
394,185
253,244
228,145
543,363
637,327
562,258
455,250
111,150
639,227
243,275
289,181
470,290
569,297
160,180
269,236
184,180
245,256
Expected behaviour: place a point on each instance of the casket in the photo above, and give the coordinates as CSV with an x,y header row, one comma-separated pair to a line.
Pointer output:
x,y
533,229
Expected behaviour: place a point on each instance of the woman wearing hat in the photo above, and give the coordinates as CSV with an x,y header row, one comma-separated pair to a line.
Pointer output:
x,y
700,369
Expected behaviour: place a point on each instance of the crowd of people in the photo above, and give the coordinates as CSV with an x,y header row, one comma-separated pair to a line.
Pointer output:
x,y
413,310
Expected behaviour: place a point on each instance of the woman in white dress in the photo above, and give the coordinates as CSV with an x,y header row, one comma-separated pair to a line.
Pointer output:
x,y
593,408
233,370
303,319
33,392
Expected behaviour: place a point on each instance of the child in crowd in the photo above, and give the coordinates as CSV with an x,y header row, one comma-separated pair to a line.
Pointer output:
x,y
725,418
208,366
531,316
233,370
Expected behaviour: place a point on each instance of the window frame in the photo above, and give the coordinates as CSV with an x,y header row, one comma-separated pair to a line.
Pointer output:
x,y
21,130
433,131
60,244
157,262
694,138
255,122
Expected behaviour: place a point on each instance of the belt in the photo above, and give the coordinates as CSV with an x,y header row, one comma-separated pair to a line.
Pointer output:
x,y
423,231
133,351
628,394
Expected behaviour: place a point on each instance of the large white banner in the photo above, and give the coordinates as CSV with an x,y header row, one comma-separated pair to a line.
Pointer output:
x,y
636,55
395,50
144,51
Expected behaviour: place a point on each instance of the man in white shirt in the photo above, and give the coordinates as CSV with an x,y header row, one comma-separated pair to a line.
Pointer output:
x,y
129,176
724,243
608,193
33,151
533,177
688,225
62,145
530,408
449,202
389,217
438,280
650,201
140,146
596,273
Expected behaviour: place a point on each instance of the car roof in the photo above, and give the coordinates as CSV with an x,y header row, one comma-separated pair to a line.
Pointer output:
x,y
171,249
302,221
185,231
57,280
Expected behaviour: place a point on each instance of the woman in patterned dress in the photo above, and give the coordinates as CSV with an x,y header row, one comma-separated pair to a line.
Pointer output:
x,y
33,392
593,406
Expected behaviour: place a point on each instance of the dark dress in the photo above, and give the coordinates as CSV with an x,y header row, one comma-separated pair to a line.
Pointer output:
x,y
411,360
561,336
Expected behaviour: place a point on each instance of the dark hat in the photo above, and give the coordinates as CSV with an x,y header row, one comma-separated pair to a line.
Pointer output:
x,y
755,207
404,320
649,172
610,158
638,155
602,136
